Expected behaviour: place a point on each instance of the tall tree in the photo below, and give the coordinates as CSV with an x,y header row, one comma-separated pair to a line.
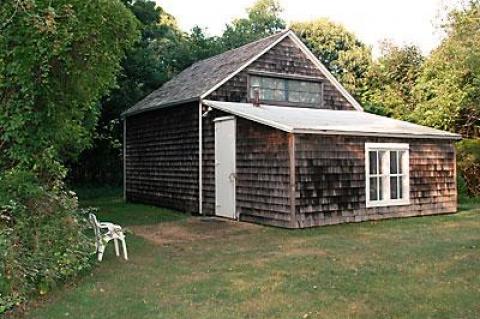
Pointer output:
x,y
57,60
450,81
339,50
147,65
392,79
263,19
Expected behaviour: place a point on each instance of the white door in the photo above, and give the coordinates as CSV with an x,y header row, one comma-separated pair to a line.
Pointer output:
x,y
225,166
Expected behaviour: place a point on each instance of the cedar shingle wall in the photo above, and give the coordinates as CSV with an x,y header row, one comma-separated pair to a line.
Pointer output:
x,y
262,174
330,180
162,157
285,57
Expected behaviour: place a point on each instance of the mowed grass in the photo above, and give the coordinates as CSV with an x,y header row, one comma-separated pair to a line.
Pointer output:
x,y
424,267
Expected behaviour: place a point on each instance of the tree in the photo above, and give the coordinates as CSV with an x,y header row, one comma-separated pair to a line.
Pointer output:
x,y
57,60
391,81
263,19
450,81
339,50
145,67
162,52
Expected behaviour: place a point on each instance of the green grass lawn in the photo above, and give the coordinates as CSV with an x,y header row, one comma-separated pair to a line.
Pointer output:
x,y
425,267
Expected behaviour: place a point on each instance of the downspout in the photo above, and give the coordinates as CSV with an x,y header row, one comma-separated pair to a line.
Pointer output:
x,y
200,158
125,158
294,222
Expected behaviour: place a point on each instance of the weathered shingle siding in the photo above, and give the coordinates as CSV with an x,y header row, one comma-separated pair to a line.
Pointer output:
x,y
262,171
262,183
162,157
330,180
286,58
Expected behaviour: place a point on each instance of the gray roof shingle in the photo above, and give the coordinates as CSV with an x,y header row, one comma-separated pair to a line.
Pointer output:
x,y
201,76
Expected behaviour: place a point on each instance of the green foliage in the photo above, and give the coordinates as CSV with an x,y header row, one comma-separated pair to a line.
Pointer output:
x,y
57,59
392,79
42,236
449,87
263,19
468,164
339,50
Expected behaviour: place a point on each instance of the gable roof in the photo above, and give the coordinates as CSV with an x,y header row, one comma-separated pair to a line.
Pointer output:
x,y
205,76
330,122
194,81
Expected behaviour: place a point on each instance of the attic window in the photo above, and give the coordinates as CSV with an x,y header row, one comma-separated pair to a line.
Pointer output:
x,y
287,91
387,174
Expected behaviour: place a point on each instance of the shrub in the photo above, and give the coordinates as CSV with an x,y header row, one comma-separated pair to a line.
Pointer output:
x,y
468,164
42,237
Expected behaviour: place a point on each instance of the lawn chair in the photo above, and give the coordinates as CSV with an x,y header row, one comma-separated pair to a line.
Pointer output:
x,y
102,237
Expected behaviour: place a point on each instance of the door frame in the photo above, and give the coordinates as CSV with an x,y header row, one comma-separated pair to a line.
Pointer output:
x,y
222,119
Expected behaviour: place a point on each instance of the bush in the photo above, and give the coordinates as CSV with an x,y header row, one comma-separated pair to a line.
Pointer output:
x,y
468,164
42,237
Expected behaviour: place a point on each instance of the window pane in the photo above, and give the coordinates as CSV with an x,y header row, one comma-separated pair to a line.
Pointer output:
x,y
281,84
394,187
400,187
313,87
400,160
393,162
380,188
373,162
294,96
373,188
294,85
255,81
381,156
269,83
266,94
279,95
312,98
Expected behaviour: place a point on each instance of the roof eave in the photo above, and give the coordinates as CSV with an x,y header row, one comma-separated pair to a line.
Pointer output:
x,y
376,134
160,106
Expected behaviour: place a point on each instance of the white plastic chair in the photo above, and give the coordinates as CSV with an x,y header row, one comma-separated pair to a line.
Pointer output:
x,y
102,237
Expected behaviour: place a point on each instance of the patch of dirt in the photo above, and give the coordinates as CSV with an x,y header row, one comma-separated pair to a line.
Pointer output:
x,y
193,229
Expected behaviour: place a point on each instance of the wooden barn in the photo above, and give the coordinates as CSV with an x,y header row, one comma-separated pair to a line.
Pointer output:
x,y
264,133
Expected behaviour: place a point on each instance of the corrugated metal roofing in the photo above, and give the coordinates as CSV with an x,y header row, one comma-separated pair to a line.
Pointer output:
x,y
197,79
320,121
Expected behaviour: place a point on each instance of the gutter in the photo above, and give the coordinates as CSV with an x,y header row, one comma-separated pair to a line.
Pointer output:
x,y
160,106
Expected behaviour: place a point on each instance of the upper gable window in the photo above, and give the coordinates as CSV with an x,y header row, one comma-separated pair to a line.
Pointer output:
x,y
287,91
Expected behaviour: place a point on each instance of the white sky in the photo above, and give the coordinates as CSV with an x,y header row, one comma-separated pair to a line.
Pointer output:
x,y
402,21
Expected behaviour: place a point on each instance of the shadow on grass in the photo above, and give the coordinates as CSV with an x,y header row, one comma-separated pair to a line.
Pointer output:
x,y
112,208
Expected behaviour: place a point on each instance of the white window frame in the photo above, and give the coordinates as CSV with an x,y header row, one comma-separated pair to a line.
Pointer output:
x,y
405,163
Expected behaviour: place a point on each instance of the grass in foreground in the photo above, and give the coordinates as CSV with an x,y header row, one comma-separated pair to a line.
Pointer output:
x,y
426,267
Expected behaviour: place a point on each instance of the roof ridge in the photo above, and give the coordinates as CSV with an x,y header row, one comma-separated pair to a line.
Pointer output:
x,y
241,47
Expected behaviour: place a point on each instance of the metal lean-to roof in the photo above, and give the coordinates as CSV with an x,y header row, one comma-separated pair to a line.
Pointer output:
x,y
331,122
